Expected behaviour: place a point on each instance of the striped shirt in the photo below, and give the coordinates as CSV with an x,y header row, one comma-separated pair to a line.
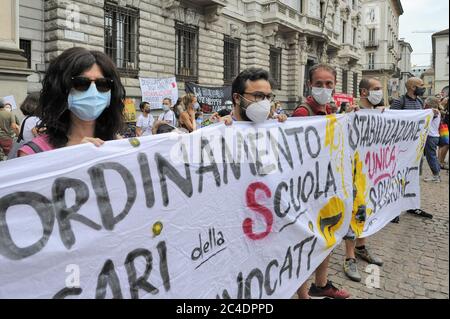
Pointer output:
x,y
407,103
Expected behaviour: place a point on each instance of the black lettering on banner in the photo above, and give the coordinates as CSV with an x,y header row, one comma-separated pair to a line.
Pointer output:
x,y
165,169
163,268
65,292
373,199
64,214
317,192
401,133
305,197
299,246
407,182
295,131
277,200
293,197
97,175
270,290
227,158
248,283
43,208
147,182
251,161
211,168
363,119
261,169
108,277
287,264
353,133
141,282
276,146
331,181
308,130
388,132
240,282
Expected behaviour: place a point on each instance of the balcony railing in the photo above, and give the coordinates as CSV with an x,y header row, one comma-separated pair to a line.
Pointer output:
x,y
380,66
371,44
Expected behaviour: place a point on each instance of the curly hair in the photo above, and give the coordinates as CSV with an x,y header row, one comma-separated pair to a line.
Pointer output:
x,y
53,106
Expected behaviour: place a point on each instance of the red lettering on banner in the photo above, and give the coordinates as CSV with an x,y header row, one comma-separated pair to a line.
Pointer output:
x,y
381,164
247,225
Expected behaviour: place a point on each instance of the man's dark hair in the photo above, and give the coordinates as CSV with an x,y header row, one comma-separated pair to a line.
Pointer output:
x,y
142,105
224,112
164,128
322,66
253,74
364,84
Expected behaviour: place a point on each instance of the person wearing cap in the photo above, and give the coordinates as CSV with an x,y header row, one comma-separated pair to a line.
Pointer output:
x,y
8,128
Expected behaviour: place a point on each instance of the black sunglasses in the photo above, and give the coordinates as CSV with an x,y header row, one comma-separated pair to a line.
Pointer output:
x,y
81,83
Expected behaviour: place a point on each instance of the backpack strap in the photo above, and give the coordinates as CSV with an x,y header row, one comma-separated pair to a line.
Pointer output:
x,y
36,148
20,137
307,107
420,101
402,107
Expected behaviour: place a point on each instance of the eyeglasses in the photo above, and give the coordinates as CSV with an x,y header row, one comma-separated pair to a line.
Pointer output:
x,y
259,96
81,83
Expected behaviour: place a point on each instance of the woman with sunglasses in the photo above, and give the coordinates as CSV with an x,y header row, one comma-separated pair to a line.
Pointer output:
x,y
81,101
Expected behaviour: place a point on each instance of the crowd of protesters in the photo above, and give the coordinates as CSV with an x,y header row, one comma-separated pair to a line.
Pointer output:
x,y
82,102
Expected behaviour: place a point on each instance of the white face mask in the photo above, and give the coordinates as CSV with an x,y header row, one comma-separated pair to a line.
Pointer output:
x,y
375,97
166,108
321,95
258,111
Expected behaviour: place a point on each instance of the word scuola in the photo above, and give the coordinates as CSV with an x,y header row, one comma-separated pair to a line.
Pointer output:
x,y
56,209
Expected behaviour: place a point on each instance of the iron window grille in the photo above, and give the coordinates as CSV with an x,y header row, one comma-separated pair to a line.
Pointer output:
x,y
25,45
231,59
275,66
186,54
121,38
344,81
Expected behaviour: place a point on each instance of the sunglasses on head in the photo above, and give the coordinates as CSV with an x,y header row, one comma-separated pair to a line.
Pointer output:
x,y
81,83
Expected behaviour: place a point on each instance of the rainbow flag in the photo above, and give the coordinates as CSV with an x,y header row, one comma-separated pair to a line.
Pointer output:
x,y
443,133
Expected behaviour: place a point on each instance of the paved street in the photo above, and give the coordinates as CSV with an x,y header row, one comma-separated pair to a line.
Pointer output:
x,y
415,252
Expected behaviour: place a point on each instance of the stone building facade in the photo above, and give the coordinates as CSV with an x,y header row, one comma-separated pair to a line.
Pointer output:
x,y
381,36
203,41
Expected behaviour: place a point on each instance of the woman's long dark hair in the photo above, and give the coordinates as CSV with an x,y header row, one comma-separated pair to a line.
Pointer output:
x,y
53,109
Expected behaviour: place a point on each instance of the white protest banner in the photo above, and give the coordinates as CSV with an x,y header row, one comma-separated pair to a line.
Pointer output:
x,y
387,149
155,90
247,211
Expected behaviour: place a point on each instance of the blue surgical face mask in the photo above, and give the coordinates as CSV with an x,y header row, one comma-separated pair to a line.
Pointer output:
x,y
90,104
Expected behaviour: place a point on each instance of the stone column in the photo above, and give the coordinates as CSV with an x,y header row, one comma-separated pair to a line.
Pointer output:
x,y
303,46
13,66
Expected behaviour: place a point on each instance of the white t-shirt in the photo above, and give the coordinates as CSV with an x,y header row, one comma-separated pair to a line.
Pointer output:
x,y
434,126
146,124
168,116
30,123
